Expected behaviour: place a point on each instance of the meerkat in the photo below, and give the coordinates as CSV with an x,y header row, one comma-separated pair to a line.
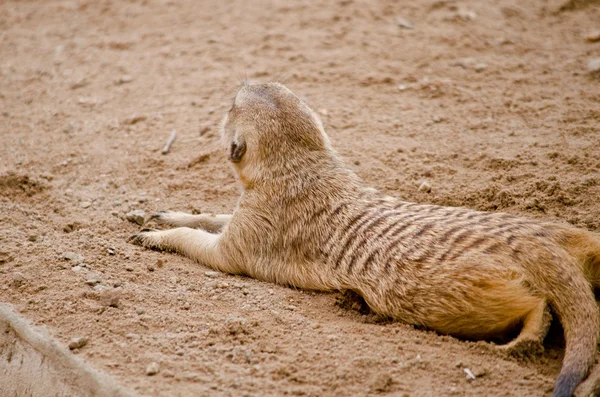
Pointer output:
x,y
306,220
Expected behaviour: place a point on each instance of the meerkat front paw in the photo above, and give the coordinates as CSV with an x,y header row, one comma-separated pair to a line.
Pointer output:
x,y
148,238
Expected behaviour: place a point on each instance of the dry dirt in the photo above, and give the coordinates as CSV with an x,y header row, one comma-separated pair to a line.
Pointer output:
x,y
491,102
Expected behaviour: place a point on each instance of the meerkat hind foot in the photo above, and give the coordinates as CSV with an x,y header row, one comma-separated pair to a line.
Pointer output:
x,y
529,341
522,348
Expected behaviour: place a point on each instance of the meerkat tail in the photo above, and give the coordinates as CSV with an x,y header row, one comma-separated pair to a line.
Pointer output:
x,y
571,296
584,247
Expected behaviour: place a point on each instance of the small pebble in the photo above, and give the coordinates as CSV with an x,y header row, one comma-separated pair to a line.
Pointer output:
x,y
136,216
73,257
152,369
92,281
78,343
470,375
382,383
32,237
111,251
18,279
151,268
85,204
593,36
134,119
110,297
222,284
425,187
403,23
480,67
211,274
124,80
140,311
594,65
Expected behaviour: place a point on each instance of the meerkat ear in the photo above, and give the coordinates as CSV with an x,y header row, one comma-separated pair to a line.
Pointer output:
x,y
237,149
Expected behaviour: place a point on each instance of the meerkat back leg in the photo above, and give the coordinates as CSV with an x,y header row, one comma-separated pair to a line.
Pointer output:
x,y
529,341
210,223
199,245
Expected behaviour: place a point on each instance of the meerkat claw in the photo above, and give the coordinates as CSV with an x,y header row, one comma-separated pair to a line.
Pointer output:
x,y
144,238
159,214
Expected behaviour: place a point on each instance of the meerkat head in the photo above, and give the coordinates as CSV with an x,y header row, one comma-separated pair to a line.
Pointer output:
x,y
268,126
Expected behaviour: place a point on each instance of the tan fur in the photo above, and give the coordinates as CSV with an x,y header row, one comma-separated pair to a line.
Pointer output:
x,y
305,220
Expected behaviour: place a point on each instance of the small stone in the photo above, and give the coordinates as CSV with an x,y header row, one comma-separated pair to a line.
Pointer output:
x,y
222,284
111,297
129,268
151,268
136,118
381,383
85,204
211,274
124,80
79,84
117,283
290,307
18,279
160,263
480,67
403,23
111,251
92,281
470,375
593,36
437,119
78,343
186,306
458,364
136,216
140,311
32,237
425,187
594,65
133,336
73,257
152,369
480,372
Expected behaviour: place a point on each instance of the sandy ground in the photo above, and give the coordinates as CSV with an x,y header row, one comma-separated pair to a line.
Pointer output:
x,y
491,102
